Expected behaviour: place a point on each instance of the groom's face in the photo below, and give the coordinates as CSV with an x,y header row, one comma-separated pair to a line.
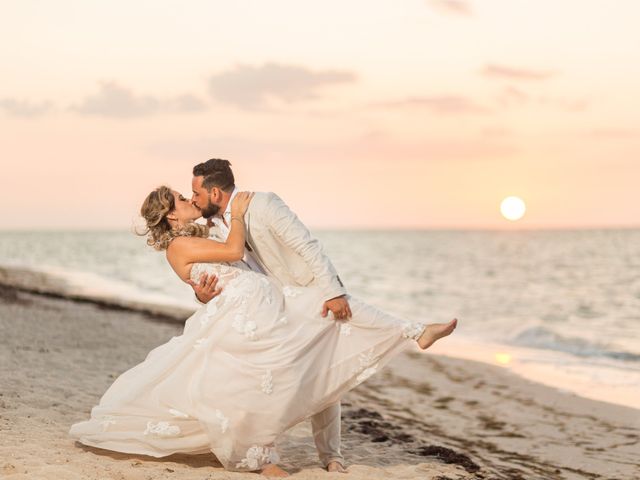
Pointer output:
x,y
206,201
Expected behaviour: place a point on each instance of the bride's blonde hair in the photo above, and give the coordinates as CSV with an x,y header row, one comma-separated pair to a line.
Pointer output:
x,y
155,208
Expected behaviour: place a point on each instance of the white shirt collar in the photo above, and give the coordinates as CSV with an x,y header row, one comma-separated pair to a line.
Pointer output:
x,y
217,219
227,212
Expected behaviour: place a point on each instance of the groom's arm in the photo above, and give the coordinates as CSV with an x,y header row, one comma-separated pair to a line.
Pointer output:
x,y
206,289
293,233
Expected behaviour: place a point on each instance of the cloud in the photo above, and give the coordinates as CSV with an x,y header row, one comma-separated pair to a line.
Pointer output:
x,y
501,71
373,145
437,149
24,108
496,131
185,103
613,133
511,96
444,104
251,87
569,105
455,7
113,100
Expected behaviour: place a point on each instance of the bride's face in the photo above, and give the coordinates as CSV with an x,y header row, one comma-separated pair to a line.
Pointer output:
x,y
184,211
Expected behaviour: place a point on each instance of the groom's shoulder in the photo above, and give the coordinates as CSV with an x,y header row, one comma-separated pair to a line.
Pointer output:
x,y
265,198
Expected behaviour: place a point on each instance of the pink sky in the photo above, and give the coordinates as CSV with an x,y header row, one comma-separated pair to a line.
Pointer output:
x,y
360,114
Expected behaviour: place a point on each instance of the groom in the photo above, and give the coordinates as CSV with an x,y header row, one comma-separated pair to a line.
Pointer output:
x,y
280,246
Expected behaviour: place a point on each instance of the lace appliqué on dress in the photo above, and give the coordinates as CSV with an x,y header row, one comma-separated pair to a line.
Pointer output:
x,y
212,309
162,429
345,329
368,366
268,296
224,421
413,330
267,383
233,290
235,284
257,456
245,327
289,291
238,285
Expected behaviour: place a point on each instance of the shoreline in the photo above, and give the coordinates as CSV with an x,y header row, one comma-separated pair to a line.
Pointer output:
x,y
424,416
510,358
514,360
29,280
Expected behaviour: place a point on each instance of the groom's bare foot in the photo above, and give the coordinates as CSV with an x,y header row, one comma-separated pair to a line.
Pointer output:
x,y
335,466
273,470
436,331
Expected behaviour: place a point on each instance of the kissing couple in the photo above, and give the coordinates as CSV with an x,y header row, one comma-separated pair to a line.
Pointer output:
x,y
277,338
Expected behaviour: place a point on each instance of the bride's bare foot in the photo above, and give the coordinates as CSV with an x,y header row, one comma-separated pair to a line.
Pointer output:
x,y
336,467
436,331
273,470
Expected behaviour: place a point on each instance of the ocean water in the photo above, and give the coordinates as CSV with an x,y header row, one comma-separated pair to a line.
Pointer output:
x,y
560,307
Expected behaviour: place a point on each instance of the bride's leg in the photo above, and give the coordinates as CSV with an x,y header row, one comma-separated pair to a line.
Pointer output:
x,y
370,317
434,332
365,314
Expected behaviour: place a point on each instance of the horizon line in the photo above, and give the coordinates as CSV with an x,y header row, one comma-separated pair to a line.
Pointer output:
x,y
353,229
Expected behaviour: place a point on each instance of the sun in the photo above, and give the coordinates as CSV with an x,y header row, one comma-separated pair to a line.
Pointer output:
x,y
513,208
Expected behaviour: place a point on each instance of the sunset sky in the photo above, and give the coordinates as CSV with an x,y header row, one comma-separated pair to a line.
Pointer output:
x,y
360,114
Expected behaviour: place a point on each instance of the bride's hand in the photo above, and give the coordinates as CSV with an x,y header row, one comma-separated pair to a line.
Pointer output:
x,y
241,203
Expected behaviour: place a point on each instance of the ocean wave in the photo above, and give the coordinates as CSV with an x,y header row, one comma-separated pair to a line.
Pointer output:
x,y
93,288
546,339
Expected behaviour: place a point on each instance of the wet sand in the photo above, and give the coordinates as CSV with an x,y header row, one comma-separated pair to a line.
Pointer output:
x,y
424,416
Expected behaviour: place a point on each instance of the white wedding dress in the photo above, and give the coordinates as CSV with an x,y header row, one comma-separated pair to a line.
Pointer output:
x,y
250,364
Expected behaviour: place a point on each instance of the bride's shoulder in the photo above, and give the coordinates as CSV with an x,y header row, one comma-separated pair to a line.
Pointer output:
x,y
181,249
177,246
182,242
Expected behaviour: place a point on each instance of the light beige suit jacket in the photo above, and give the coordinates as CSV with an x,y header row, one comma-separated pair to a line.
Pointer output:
x,y
287,252
285,249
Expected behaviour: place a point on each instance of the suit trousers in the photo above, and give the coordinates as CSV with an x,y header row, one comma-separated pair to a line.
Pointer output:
x,y
325,426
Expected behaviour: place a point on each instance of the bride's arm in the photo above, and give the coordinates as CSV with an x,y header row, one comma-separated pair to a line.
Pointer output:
x,y
194,249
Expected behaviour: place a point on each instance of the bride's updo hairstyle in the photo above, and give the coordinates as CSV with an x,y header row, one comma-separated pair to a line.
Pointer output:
x,y
155,208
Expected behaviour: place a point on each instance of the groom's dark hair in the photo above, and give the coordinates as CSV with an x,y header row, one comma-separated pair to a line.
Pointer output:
x,y
217,173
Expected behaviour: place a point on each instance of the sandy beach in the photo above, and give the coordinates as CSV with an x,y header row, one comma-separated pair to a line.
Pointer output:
x,y
425,416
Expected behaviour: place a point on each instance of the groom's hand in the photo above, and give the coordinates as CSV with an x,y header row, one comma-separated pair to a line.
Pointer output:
x,y
338,306
206,289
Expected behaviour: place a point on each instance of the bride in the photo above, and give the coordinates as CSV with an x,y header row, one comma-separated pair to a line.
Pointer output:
x,y
253,362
